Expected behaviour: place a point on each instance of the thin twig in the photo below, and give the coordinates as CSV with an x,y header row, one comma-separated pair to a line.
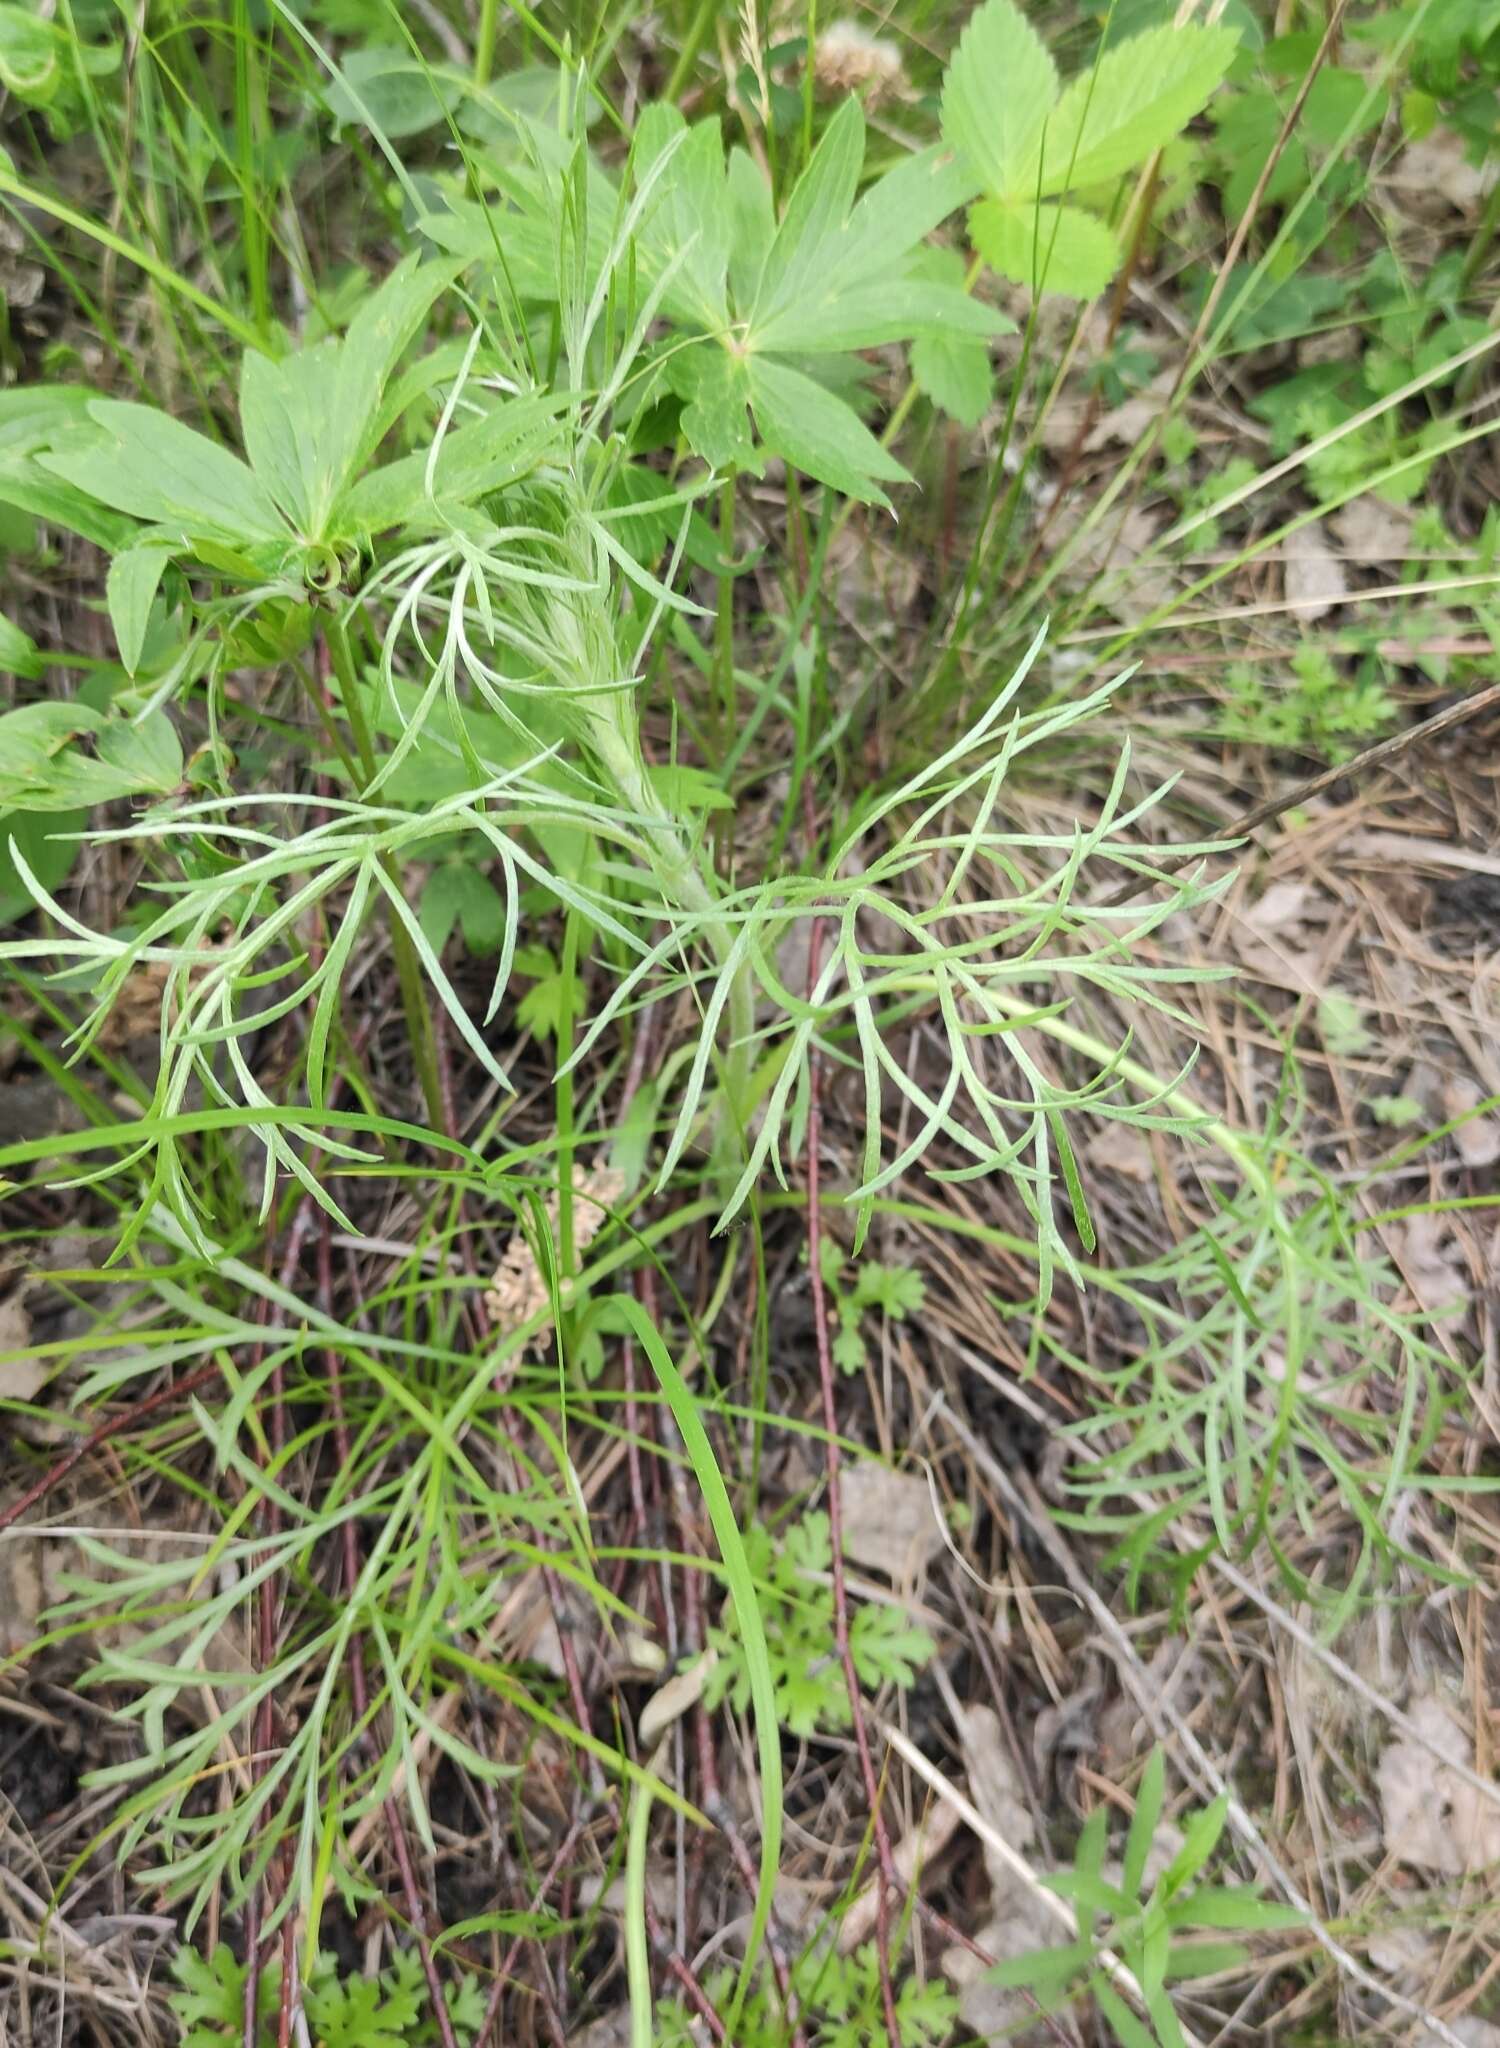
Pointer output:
x,y
1058,1908
126,1419
512,1954
415,1911
1375,756
1021,1494
886,1863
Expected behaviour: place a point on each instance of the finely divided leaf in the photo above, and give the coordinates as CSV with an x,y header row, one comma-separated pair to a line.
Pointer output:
x,y
997,93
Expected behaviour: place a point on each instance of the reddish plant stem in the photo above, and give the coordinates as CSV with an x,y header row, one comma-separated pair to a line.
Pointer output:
x,y
678,1967
711,1796
518,1942
267,1601
889,1879
126,1419
416,1912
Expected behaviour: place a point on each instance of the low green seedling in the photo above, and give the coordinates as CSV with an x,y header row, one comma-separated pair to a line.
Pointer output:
x,y
1314,707
791,1574
392,2010
838,2002
1153,1925
896,1291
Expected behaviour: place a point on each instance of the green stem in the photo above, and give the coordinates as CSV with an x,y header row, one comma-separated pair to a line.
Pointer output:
x,y
484,43
724,623
687,56
403,952
683,882
252,227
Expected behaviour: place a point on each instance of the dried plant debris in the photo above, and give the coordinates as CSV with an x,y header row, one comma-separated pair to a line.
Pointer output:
x,y
1433,1817
519,1290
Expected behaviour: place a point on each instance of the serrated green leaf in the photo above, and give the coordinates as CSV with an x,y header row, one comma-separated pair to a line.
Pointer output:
x,y
1137,97
898,1290
806,425
1341,1025
848,1348
130,590
1056,250
888,1649
1397,1111
997,93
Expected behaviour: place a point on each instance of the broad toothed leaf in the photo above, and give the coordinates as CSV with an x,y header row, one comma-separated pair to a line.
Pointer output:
x,y
997,94
1056,250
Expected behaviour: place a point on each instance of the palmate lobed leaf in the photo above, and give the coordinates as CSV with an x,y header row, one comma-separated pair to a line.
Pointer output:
x,y
829,279
807,426
312,418
130,590
954,370
691,222
43,769
147,464
482,456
